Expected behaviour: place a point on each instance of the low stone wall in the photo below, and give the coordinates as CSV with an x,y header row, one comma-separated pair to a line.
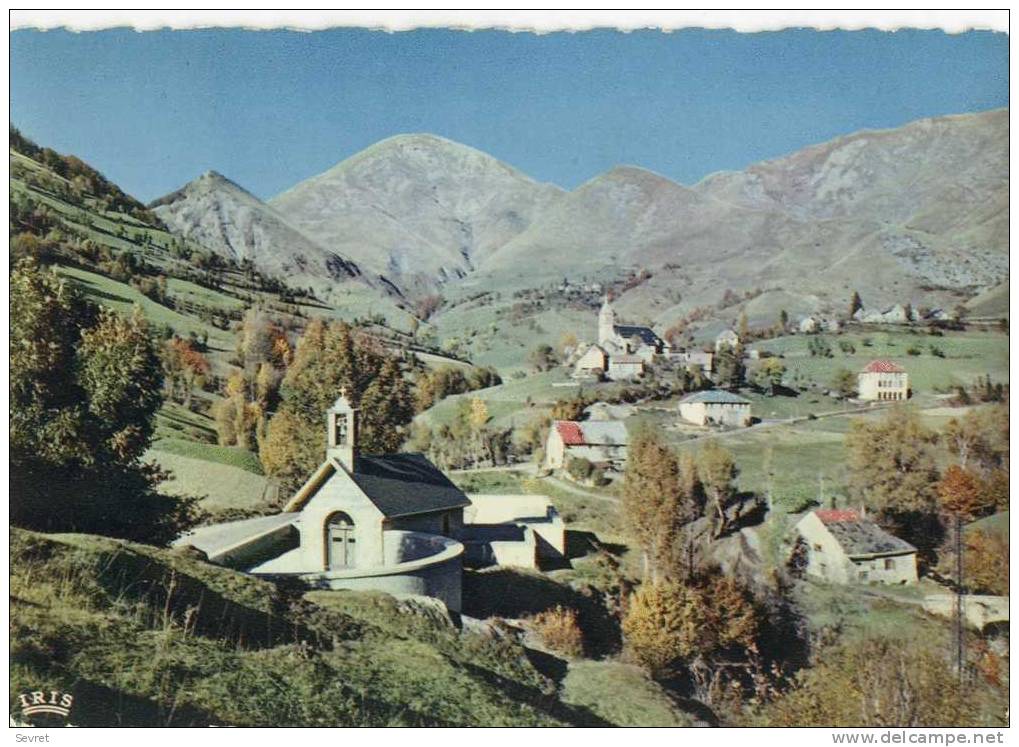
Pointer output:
x,y
416,564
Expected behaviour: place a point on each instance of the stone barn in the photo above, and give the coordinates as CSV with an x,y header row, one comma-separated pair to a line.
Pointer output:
x,y
842,546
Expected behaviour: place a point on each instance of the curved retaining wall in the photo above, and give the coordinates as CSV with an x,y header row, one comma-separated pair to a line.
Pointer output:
x,y
416,563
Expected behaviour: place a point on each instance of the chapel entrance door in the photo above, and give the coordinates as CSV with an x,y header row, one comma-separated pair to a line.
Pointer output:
x,y
340,542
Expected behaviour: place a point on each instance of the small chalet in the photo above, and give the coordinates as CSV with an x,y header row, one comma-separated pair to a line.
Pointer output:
x,y
842,546
715,407
603,443
883,381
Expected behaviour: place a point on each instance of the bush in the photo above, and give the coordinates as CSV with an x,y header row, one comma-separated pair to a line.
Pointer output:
x,y
579,468
559,631
913,351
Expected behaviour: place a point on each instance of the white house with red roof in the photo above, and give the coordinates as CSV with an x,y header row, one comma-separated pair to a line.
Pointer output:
x,y
883,381
842,546
601,442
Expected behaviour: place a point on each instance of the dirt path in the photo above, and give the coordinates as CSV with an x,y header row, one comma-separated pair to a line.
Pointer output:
x,y
577,490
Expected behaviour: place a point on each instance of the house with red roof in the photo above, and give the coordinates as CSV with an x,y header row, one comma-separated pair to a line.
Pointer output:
x,y
843,546
883,381
601,442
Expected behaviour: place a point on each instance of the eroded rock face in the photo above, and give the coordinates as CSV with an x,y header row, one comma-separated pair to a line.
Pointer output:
x,y
225,218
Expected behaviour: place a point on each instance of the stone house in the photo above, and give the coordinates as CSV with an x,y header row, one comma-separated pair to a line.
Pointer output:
x,y
603,443
883,381
592,364
726,339
715,407
842,546
625,367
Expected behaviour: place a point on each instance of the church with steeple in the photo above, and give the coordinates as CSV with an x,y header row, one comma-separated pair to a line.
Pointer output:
x,y
622,351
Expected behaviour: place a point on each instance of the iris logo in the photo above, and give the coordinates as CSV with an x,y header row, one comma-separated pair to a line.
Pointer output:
x,y
54,703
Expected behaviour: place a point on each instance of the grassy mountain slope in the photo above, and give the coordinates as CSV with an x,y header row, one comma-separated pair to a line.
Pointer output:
x,y
419,209
150,637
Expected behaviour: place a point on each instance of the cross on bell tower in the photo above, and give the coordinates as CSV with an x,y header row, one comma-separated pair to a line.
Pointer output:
x,y
341,427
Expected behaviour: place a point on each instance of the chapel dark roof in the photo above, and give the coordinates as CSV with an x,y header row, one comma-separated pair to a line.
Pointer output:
x,y
646,334
406,484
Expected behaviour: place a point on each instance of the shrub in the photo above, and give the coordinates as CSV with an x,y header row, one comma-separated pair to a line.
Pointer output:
x,y
579,468
559,630
913,351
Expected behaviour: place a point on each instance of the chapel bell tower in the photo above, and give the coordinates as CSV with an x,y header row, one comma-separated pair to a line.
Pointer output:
x,y
341,427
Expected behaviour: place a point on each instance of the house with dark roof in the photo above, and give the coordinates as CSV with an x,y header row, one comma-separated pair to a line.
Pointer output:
x,y
842,546
883,381
715,407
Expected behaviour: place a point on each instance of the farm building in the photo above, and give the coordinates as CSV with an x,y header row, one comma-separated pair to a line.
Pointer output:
x,y
715,407
842,546
602,443
883,381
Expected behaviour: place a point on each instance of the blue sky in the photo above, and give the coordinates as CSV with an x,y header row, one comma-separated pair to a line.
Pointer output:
x,y
153,110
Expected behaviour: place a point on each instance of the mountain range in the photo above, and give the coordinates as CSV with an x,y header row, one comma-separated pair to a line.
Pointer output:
x,y
900,214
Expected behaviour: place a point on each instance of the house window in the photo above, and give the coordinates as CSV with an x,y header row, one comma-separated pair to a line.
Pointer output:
x,y
889,564
864,575
340,541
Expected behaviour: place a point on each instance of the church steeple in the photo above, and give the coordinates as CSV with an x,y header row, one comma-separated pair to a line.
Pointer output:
x,y
341,425
606,322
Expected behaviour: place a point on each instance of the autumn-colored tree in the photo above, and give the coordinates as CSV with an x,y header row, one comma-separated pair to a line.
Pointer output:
x,y
892,464
980,439
289,446
711,628
479,413
717,471
768,375
743,326
876,682
567,344
654,506
329,359
986,565
961,493
184,368
855,304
